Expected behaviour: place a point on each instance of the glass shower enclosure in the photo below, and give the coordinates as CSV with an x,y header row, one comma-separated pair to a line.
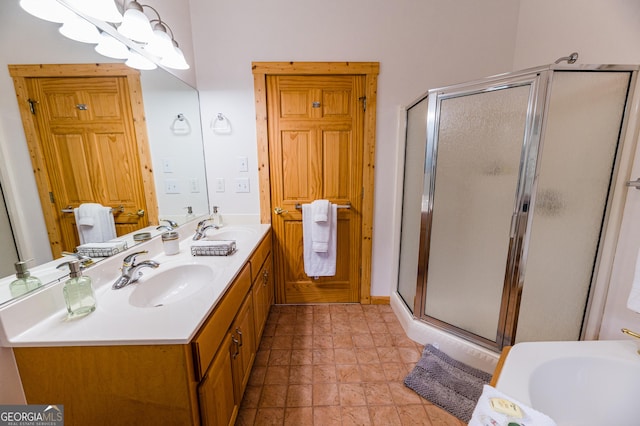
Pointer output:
x,y
508,180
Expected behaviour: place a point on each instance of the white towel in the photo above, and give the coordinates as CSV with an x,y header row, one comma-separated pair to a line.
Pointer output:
x,y
95,223
320,210
633,302
483,414
322,226
318,263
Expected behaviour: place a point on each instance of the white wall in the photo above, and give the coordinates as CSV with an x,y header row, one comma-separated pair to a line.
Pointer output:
x,y
419,44
602,32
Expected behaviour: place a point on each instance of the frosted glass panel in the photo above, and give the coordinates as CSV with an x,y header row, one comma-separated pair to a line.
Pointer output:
x,y
478,163
584,118
416,142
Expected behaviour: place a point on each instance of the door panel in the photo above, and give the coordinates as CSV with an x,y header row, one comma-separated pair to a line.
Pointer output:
x,y
315,128
86,133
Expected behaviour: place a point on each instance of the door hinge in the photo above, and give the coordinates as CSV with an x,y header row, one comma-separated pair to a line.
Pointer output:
x,y
32,105
51,197
364,102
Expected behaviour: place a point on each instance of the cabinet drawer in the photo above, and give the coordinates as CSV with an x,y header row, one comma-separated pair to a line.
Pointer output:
x,y
209,338
259,255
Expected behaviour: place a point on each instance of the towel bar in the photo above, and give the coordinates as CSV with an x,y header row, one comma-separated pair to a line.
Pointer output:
x,y
340,206
69,209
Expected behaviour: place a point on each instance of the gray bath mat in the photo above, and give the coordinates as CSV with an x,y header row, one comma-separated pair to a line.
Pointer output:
x,y
449,384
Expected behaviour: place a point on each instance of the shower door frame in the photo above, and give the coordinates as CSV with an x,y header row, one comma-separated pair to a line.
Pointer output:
x,y
541,78
538,80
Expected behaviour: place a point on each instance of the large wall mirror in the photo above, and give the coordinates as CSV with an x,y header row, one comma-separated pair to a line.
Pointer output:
x,y
172,113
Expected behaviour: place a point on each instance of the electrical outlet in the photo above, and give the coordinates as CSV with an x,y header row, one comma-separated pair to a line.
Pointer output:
x,y
220,185
243,164
242,184
171,186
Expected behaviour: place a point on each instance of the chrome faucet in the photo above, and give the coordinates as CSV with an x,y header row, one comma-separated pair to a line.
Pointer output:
x,y
170,227
202,228
131,270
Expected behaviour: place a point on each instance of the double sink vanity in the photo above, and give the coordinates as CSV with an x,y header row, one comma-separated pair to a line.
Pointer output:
x,y
175,348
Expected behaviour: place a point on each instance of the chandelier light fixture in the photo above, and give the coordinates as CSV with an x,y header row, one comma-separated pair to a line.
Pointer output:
x,y
143,42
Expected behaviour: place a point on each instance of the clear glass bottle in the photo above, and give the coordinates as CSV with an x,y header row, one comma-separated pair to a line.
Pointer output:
x,y
78,292
24,282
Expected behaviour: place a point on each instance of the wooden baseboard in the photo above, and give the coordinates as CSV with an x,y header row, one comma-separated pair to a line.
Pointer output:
x,y
380,300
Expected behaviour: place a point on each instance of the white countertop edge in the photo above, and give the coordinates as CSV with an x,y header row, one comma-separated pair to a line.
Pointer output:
x,y
156,326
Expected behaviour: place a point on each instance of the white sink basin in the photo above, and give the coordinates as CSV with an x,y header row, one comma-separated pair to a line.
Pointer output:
x,y
236,233
171,285
576,383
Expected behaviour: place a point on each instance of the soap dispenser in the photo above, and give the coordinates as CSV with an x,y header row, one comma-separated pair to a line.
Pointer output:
x,y
216,217
24,282
78,292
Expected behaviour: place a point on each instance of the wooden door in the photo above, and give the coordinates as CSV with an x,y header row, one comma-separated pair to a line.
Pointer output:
x,y
88,144
316,152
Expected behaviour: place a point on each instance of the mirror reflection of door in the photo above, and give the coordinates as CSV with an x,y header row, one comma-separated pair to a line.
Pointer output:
x,y
84,135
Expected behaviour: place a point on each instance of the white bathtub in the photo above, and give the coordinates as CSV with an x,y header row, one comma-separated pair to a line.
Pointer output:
x,y
592,383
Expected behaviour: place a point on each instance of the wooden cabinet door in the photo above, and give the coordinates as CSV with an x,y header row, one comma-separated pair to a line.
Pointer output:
x,y
262,297
86,133
316,152
242,349
218,405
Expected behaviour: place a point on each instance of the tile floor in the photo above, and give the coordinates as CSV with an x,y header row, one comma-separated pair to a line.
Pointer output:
x,y
337,364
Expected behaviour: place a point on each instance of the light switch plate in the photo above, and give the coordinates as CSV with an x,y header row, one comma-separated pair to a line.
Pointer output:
x,y
243,164
219,184
242,184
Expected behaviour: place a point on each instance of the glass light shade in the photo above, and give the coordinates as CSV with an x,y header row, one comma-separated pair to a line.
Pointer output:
x,y
79,29
161,44
104,10
112,48
135,25
139,62
175,60
49,10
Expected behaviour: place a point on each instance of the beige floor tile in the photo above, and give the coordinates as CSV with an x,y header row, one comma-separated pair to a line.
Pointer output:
x,y
326,416
355,416
352,394
298,416
336,364
269,416
325,394
280,357
273,396
299,395
299,374
325,373
384,415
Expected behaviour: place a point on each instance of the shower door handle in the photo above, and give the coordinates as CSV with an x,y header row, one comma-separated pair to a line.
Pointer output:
x,y
514,223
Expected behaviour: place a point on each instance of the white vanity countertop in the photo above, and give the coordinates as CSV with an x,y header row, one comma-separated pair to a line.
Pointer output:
x,y
40,318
